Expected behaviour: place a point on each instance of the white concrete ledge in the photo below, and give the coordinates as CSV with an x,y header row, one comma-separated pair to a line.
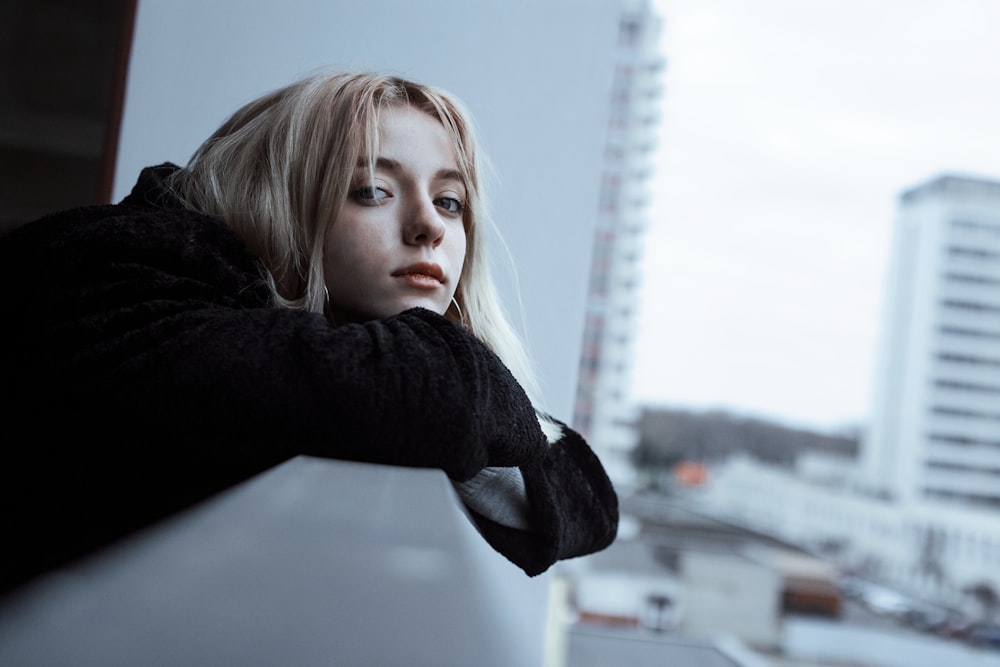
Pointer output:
x,y
315,562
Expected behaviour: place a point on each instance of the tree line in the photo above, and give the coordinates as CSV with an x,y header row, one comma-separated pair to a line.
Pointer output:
x,y
668,436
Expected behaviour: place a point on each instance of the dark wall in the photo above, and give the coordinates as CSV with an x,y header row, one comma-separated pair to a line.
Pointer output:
x,y
62,74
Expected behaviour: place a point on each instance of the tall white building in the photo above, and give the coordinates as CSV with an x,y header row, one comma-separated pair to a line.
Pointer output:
x,y
935,423
921,508
604,411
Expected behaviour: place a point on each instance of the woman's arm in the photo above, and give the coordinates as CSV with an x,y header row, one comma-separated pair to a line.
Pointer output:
x,y
147,357
158,323
561,505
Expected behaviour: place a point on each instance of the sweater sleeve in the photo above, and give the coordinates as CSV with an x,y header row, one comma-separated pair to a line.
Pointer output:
x,y
158,324
572,508
154,371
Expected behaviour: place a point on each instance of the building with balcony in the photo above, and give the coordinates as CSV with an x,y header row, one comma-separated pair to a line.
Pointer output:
x,y
604,411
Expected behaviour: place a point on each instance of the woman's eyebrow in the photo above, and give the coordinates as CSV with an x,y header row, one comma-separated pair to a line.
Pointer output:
x,y
380,163
443,174
449,175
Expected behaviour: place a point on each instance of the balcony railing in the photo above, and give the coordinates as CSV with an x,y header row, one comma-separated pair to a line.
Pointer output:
x,y
315,562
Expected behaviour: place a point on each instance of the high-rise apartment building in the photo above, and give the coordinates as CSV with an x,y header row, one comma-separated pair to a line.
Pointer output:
x,y
920,510
935,422
604,411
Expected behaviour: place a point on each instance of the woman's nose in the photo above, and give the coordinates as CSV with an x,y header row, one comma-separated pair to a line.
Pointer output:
x,y
423,224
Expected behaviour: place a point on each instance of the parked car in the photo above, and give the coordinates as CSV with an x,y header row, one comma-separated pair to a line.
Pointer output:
x,y
957,625
885,602
851,587
984,634
926,617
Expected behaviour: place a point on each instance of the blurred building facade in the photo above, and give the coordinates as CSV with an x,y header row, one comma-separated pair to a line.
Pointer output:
x,y
920,508
604,411
935,427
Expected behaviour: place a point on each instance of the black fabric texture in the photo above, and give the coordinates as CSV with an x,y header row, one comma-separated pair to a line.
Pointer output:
x,y
146,369
574,508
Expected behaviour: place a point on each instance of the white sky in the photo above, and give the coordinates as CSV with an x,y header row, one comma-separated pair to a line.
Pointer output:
x,y
790,127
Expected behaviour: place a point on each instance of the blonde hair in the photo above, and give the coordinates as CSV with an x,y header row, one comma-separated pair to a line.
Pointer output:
x,y
280,168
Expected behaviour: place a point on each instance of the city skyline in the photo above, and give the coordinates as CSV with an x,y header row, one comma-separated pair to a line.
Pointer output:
x,y
789,132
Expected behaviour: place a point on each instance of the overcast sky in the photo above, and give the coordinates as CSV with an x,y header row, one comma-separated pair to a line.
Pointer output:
x,y
789,129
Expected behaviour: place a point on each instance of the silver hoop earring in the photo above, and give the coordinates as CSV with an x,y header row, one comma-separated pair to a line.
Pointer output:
x,y
461,315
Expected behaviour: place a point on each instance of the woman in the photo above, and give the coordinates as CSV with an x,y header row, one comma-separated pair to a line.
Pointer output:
x,y
313,282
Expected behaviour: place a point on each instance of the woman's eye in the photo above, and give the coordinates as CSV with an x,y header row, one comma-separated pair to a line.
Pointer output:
x,y
449,204
369,195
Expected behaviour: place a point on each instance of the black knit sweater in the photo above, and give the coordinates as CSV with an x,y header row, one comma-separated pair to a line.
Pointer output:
x,y
146,368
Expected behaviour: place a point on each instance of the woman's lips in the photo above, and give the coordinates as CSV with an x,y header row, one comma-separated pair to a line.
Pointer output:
x,y
423,275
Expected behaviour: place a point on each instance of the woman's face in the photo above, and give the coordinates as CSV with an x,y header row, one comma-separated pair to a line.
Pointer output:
x,y
399,239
